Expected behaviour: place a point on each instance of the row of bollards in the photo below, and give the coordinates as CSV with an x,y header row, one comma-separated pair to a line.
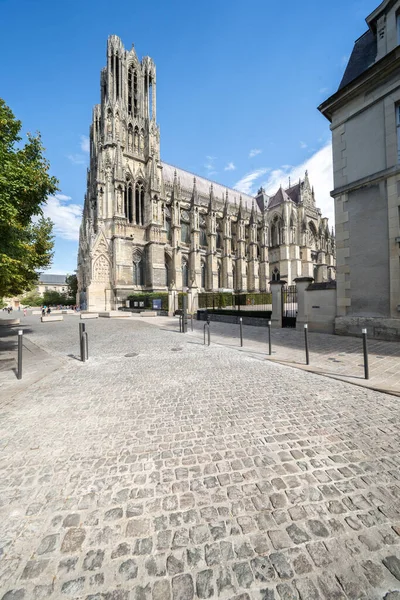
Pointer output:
x,y
306,343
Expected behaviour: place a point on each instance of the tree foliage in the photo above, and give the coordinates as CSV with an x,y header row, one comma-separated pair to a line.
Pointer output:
x,y
53,298
72,283
26,241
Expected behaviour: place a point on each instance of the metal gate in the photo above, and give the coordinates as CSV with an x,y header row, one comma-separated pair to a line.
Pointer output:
x,y
289,306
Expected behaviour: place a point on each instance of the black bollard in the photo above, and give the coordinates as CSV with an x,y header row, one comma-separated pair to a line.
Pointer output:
x,y
20,340
306,341
82,328
184,314
269,338
241,331
209,333
365,348
191,321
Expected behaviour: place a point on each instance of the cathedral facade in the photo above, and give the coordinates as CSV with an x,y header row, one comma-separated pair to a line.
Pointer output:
x,y
149,226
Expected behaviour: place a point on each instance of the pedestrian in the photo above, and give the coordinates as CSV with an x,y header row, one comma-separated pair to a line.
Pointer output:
x,y
24,312
43,311
48,310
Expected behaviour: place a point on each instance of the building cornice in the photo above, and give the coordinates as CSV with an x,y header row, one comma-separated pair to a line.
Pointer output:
x,y
366,181
373,76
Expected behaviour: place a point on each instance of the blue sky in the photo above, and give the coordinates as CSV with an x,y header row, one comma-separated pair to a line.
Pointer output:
x,y
238,84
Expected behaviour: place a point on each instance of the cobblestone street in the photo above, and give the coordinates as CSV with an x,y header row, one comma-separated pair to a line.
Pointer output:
x,y
162,469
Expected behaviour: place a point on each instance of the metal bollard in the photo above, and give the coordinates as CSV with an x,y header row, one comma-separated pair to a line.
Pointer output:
x,y
82,328
191,321
306,341
209,333
269,338
204,330
20,340
87,345
180,323
365,348
241,331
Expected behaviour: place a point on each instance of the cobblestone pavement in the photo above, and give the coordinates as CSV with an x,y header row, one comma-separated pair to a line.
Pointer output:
x,y
332,355
165,470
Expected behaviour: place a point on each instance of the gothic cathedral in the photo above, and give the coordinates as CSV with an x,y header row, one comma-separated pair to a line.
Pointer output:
x,y
148,226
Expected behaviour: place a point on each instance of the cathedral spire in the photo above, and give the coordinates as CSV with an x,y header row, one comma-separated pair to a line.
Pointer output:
x,y
195,195
175,187
226,204
253,214
240,216
211,206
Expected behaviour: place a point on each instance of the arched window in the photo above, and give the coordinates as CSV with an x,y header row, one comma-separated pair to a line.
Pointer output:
x,y
136,139
219,275
130,203
203,274
185,273
142,206
185,227
276,276
137,205
219,236
203,236
138,269
234,277
132,91
135,94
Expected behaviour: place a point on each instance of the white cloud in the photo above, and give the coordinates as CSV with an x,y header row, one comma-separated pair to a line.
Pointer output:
x,y
85,143
77,159
66,217
245,184
62,197
323,90
320,173
303,145
254,152
230,167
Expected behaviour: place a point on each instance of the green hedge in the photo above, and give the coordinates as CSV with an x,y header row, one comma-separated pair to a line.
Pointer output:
x,y
147,298
224,299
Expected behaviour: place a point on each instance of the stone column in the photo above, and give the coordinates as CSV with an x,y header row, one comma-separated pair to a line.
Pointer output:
x,y
276,289
302,284
172,299
193,303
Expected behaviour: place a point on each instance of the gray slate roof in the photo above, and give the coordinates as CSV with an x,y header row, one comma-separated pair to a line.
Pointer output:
x,y
52,279
203,186
362,57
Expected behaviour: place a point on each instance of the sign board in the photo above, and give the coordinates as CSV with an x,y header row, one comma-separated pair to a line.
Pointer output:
x,y
141,304
157,304
136,304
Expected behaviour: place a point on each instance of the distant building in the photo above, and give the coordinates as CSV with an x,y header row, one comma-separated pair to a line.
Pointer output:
x,y
150,226
365,117
52,283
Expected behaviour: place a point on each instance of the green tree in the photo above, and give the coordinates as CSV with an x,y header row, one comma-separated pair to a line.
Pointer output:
x,y
72,283
32,298
26,241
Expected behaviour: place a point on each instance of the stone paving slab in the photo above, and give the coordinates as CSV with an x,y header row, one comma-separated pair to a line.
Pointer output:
x,y
334,356
165,470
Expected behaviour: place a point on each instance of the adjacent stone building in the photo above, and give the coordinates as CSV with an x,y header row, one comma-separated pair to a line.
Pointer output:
x,y
365,117
150,226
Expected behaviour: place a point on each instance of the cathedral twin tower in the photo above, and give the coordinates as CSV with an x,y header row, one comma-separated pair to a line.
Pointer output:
x,y
148,226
